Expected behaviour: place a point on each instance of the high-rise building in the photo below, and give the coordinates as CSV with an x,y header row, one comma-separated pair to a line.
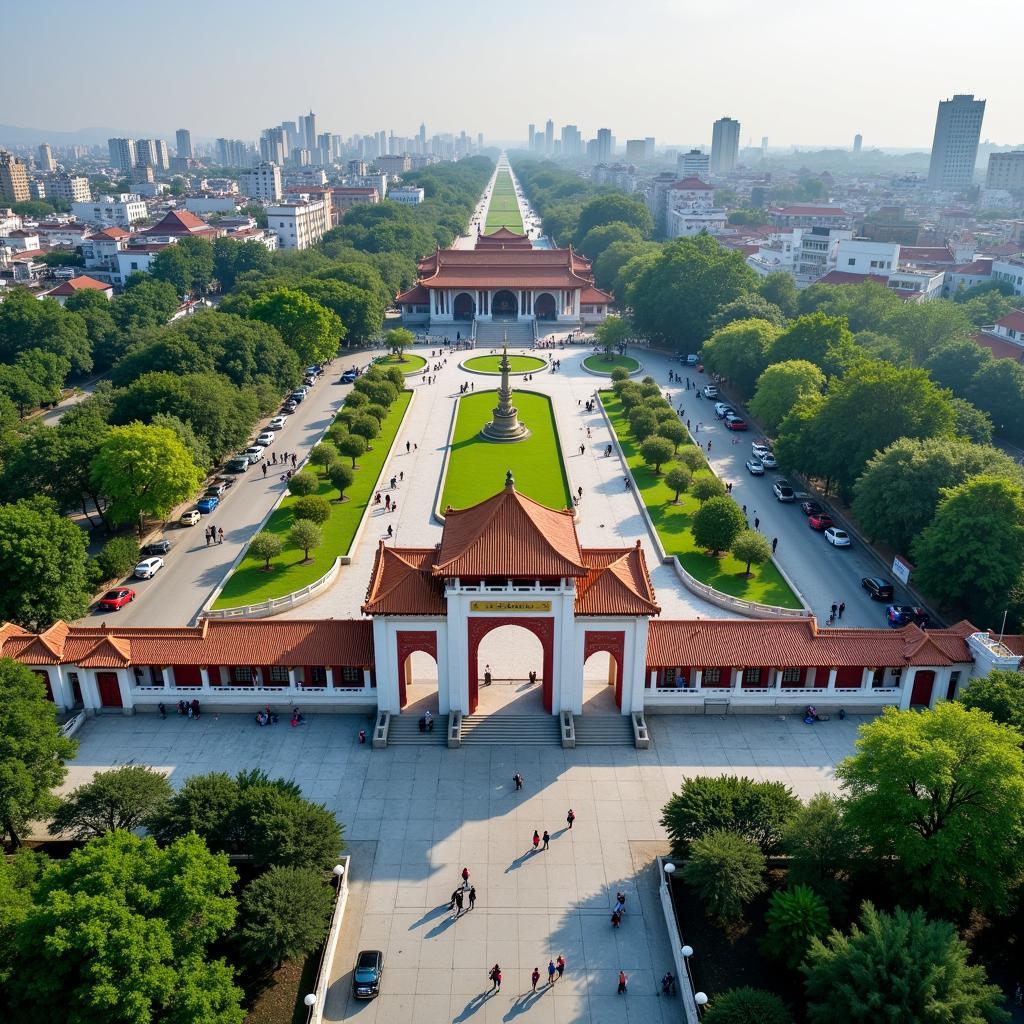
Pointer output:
x,y
549,136
531,133
122,154
232,153
479,142
146,154
649,147
273,143
45,158
635,149
725,145
1006,171
694,164
13,179
605,145
183,143
423,137
572,142
858,142
163,154
263,182
955,146
764,146
72,188
308,133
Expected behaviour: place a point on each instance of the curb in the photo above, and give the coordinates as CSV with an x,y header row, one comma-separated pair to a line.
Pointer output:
x,y
497,373
608,375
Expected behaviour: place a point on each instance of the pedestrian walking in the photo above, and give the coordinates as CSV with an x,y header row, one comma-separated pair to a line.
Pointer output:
x,y
264,470
623,981
668,984
534,978
547,838
842,608
220,536
458,902
401,476
834,609
757,522
551,972
518,780
536,839
391,531
495,975
465,878
570,817
709,447
582,449
294,459
472,897
560,966
408,446
208,535
775,544
616,919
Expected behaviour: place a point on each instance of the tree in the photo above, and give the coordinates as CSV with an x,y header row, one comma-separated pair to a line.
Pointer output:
x,y
613,208
672,430
312,330
751,547
285,914
146,302
747,1006
970,422
313,508
187,265
231,258
971,555
693,458
779,288
305,534
727,871
751,306
266,545
656,450
707,486
794,917
119,556
205,804
998,389
821,845
738,352
352,447
303,483
43,565
781,387
717,523
32,750
28,323
758,811
281,828
598,240
398,340
124,798
1000,693
942,792
366,427
144,471
122,930
816,338
910,969
612,334
896,496
378,389
677,479
341,477
323,455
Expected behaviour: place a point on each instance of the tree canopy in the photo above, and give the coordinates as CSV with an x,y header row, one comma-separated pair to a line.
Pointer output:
x,y
123,798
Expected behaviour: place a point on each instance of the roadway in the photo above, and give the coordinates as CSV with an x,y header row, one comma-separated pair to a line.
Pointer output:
x,y
192,570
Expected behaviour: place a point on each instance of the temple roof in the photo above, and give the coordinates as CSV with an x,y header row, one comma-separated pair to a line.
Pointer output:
x,y
402,583
618,583
505,268
504,238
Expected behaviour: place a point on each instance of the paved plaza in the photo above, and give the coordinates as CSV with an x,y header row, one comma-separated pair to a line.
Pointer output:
x,y
415,816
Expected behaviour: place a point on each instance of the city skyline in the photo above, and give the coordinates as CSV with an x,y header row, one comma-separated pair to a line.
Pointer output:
x,y
641,98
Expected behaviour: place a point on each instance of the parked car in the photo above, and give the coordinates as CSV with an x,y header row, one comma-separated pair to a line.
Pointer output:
x,y
812,508
902,614
367,974
148,568
710,391
207,504
309,381
289,407
277,423
189,518
755,467
313,370
768,461
837,538
691,360
722,410
297,396
239,464
349,376
215,490
759,449
254,453
822,521
157,547
782,490
266,438
735,422
877,588
115,600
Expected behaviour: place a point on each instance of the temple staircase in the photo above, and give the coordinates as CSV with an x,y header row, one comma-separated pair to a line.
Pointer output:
x,y
404,730
603,730
491,334
511,730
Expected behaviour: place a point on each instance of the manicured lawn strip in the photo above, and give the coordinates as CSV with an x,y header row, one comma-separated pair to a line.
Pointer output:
x,y
601,363
250,585
409,363
503,211
673,525
476,468
492,364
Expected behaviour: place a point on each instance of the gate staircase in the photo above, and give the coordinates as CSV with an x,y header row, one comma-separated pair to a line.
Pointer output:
x,y
511,730
491,333
404,730
603,730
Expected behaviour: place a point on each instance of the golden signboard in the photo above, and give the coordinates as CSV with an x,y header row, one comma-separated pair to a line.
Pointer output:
x,y
510,606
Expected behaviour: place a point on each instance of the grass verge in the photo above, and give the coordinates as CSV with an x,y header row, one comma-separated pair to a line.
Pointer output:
x,y
476,468
503,210
725,573
249,584
408,363
492,364
601,363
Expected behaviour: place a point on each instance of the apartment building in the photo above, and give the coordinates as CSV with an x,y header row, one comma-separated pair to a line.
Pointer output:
x,y
298,224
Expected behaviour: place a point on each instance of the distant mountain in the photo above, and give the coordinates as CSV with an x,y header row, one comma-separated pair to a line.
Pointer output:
x,y
12,135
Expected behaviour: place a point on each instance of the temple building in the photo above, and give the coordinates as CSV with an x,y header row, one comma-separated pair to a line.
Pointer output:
x,y
504,279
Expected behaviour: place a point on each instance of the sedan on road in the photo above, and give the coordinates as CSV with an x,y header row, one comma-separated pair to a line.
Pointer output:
x,y
115,600
768,461
348,376
822,521
782,490
207,505
759,449
266,438
148,568
837,538
157,547
902,614
812,508
710,391
877,588
366,977
755,467
277,423
733,422
254,453
722,410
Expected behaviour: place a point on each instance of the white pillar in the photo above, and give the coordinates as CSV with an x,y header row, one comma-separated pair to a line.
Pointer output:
x,y
865,678
832,673
204,675
293,682
367,679
810,676
737,679
698,678
168,671
907,687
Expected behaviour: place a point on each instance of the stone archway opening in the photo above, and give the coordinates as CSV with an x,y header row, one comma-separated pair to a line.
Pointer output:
x,y
504,305
417,672
510,652
544,307
600,684
464,308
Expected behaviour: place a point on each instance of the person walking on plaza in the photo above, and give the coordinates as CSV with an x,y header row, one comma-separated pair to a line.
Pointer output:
x,y
623,981
458,902
465,878
495,975
551,972
570,817
536,840
775,544
472,897
560,966
518,780
842,608
534,978
547,839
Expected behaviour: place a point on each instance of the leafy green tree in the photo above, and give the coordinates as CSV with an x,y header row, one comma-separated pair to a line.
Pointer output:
x,y
998,389
896,496
751,306
278,828
925,326
303,483
821,845
942,792
727,872
598,240
28,323
379,390
361,311
739,352
1000,693
673,430
119,556
18,874
693,458
205,804
266,545
146,302
285,914
43,564
783,386
613,208
305,534
619,375
398,340
231,258
901,965
312,330
971,555
122,930
707,486
365,427
751,547
32,750
105,339
123,798
144,471
352,446
323,455
612,334
187,265
197,447
717,523
655,451
817,338
341,476
642,422
988,308
779,289
677,479
954,365
313,508
794,917
758,811
970,422
747,1006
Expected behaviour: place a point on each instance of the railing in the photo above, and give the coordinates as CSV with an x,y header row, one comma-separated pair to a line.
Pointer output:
x,y
380,730
323,973
684,980
72,725
641,737
484,588
277,604
454,730
671,695
567,728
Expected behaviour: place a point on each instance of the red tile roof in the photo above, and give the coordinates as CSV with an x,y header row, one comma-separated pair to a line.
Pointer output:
x,y
618,583
693,184
402,583
1001,348
979,268
595,295
178,222
1013,320
926,254
77,284
505,268
112,233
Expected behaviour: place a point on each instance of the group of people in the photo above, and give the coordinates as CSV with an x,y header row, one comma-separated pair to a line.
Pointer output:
x,y
837,612
190,709
214,535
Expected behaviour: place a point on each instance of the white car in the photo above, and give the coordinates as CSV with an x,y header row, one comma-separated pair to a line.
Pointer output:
x,y
254,453
722,410
756,467
190,518
759,449
266,438
768,461
277,423
836,537
148,568
710,391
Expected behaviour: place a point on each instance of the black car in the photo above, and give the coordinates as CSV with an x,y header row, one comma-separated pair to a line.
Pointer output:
x,y
901,614
813,508
349,376
877,588
157,547
366,976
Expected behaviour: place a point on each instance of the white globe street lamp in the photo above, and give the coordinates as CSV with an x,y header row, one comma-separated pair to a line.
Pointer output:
x,y
687,951
310,1000
700,999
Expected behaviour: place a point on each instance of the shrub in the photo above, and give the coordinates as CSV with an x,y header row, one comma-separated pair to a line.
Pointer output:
x,y
821,845
312,507
673,430
303,483
323,454
642,423
119,556
341,476
378,391
707,486
727,871
717,523
620,373
285,914
356,400
794,917
378,412
747,1006
693,458
366,427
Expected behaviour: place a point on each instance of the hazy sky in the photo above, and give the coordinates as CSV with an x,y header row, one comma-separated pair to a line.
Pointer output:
x,y
798,71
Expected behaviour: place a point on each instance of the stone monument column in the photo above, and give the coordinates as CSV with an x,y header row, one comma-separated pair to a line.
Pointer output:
x,y
505,424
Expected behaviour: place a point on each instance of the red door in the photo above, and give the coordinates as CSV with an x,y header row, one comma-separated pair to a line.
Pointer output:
x,y
110,691
921,695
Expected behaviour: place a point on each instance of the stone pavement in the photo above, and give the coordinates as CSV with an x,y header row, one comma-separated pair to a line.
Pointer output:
x,y
415,816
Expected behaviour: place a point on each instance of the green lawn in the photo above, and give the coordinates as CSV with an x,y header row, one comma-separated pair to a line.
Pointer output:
x,y
503,211
249,584
476,468
408,363
492,364
672,522
601,363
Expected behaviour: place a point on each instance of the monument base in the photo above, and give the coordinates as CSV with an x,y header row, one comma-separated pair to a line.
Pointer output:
x,y
519,433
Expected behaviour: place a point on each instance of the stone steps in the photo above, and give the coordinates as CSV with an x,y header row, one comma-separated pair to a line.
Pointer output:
x,y
511,730
404,730
603,730
491,334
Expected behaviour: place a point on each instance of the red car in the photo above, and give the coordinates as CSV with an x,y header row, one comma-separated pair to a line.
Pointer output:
x,y
114,600
821,521
735,423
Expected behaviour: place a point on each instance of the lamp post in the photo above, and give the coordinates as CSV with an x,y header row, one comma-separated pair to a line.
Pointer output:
x,y
310,1000
338,871
686,952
